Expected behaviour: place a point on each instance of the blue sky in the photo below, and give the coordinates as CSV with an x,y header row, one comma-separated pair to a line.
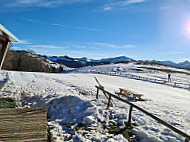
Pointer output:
x,y
140,29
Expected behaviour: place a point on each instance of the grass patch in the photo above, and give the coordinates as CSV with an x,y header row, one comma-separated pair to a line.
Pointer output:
x,y
126,132
7,103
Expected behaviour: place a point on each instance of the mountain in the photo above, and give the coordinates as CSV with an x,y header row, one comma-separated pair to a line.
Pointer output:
x,y
117,59
108,60
81,62
26,61
168,63
84,61
67,61
185,64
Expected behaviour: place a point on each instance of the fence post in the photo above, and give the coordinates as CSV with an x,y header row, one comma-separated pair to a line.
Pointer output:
x,y
174,84
109,100
130,113
97,93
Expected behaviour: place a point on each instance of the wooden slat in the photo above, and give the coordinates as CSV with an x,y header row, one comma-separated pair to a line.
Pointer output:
x,y
24,124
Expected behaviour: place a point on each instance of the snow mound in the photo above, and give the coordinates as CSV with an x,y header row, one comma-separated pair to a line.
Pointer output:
x,y
69,109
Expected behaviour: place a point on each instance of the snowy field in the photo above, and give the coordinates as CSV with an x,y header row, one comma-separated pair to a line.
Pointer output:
x,y
70,100
152,71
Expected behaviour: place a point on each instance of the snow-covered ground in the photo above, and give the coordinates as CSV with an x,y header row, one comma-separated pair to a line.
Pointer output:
x,y
151,71
70,100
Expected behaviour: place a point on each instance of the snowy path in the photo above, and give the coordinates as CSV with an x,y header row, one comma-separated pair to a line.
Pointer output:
x,y
168,103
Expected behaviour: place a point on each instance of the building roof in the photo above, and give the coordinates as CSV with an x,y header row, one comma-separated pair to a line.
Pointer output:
x,y
5,33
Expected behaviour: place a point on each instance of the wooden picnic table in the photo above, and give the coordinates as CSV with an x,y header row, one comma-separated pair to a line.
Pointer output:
x,y
129,94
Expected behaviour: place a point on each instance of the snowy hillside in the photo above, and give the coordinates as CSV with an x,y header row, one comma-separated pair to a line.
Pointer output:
x,y
84,61
151,71
70,101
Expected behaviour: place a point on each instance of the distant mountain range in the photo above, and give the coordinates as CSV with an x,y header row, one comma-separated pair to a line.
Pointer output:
x,y
81,62
185,64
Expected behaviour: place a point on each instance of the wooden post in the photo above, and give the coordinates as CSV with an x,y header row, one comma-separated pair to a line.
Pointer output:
x,y
4,54
109,100
130,113
174,84
97,93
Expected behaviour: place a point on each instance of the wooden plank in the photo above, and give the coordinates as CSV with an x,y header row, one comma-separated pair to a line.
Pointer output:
x,y
23,124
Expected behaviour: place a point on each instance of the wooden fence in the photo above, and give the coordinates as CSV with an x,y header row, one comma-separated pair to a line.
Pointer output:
x,y
109,95
175,83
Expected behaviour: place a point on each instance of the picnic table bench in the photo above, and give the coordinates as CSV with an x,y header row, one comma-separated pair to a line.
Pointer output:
x,y
129,94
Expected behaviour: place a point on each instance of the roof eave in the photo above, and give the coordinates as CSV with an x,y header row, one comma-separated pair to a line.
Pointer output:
x,y
8,34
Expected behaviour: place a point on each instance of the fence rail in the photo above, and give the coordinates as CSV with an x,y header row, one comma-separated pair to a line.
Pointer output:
x,y
187,137
175,83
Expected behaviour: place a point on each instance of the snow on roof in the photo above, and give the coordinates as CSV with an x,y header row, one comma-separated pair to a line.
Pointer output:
x,y
7,34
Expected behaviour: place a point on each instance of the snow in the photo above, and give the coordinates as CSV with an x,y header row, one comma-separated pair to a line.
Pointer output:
x,y
116,59
152,71
70,100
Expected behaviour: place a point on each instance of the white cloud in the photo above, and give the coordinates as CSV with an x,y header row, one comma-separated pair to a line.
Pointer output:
x,y
164,7
24,42
86,28
55,3
43,3
108,8
114,45
48,46
81,47
120,3
58,25
135,1
29,20
80,28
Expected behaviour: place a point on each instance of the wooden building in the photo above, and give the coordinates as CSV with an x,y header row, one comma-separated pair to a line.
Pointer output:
x,y
6,38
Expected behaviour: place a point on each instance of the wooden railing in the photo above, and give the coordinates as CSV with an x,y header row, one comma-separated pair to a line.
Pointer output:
x,y
109,95
175,83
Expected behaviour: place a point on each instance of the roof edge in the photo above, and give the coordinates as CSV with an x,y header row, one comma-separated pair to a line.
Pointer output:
x,y
10,36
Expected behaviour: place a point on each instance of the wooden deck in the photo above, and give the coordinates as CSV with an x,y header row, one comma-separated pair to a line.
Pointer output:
x,y
23,125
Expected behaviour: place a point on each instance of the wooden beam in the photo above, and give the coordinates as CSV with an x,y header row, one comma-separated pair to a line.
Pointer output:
x,y
5,53
2,38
